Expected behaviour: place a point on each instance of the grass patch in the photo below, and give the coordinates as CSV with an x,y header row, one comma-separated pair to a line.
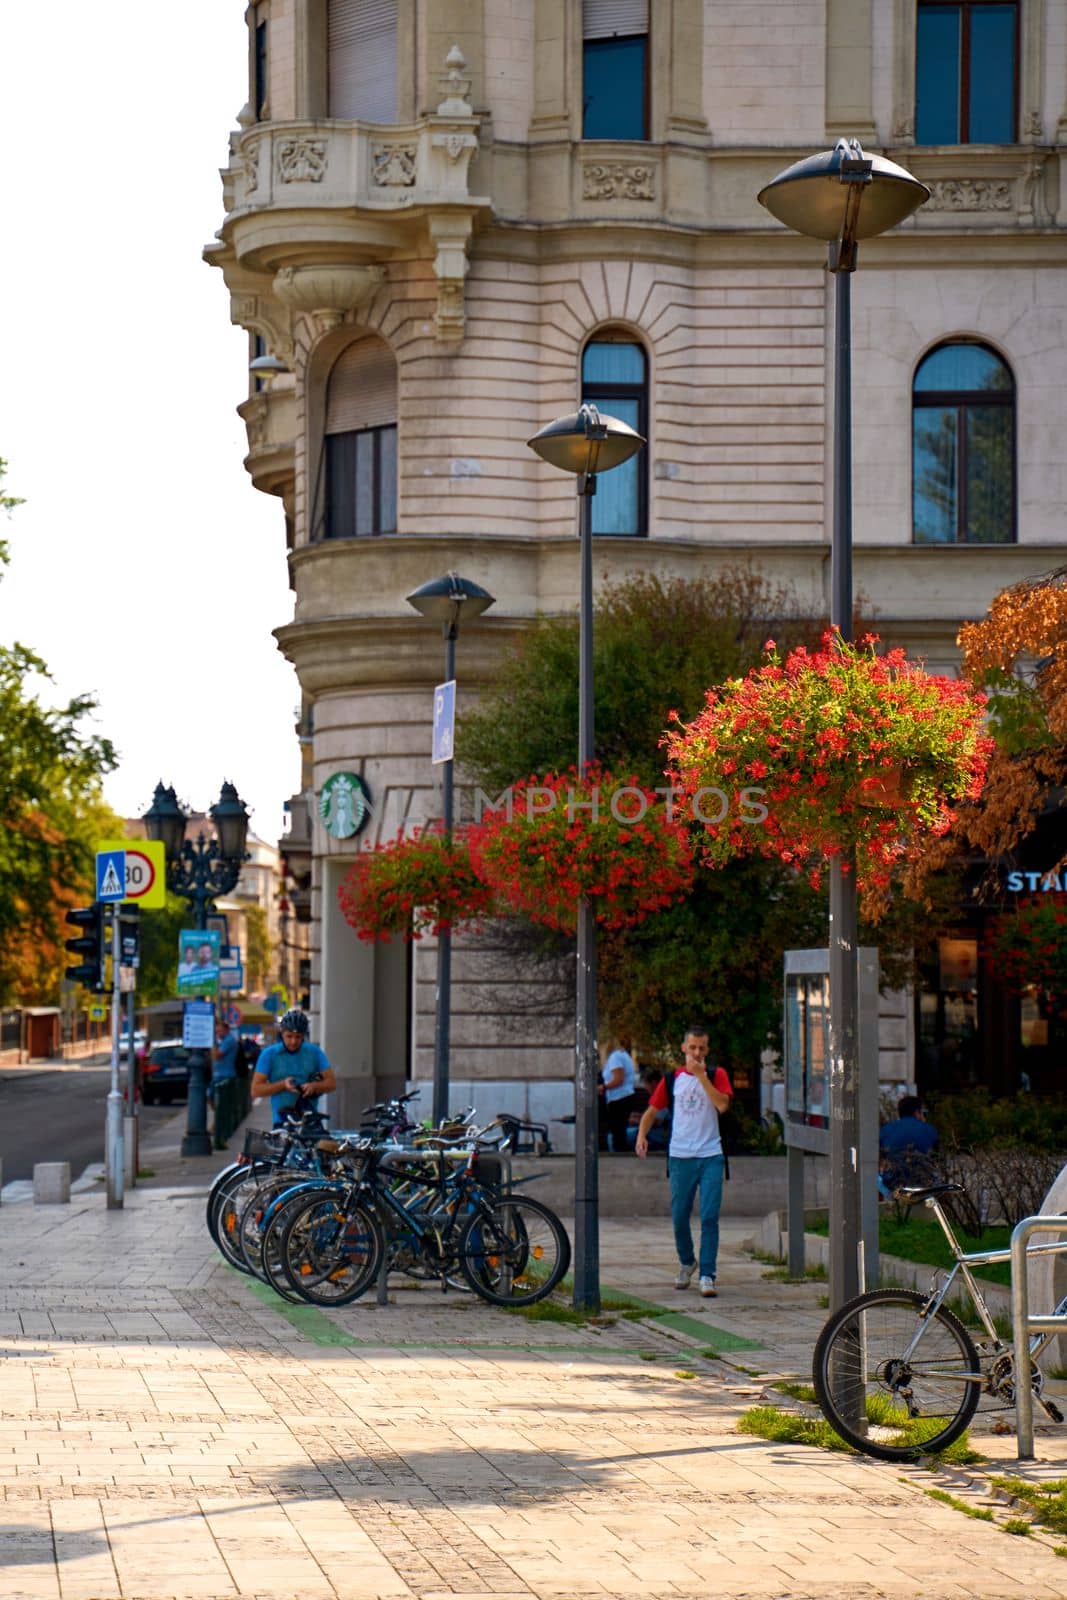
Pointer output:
x,y
146,1172
980,1513
1017,1525
765,1256
786,1427
1047,1501
824,1302
921,1240
796,1391
816,1273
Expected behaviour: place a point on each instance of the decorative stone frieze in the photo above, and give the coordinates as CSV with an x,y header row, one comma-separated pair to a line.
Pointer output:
x,y
301,160
393,165
249,158
618,181
971,194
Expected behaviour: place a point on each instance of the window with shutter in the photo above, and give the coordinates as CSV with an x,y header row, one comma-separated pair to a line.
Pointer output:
x,y
360,447
615,69
361,41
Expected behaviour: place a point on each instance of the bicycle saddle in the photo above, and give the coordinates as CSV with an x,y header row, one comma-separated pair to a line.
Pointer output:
x,y
929,1191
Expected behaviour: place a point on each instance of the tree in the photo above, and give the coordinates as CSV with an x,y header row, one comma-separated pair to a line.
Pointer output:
x,y
659,644
51,812
260,952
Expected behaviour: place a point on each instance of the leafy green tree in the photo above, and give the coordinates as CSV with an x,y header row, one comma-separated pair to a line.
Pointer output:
x,y
51,812
260,950
157,975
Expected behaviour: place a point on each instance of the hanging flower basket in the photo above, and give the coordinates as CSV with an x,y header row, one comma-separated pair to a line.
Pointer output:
x,y
1027,948
569,836
844,747
413,885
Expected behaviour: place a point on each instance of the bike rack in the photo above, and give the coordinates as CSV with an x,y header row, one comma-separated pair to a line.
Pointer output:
x,y
382,1284
1023,1324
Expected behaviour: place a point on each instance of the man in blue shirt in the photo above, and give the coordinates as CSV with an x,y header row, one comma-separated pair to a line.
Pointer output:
x,y
294,1073
902,1144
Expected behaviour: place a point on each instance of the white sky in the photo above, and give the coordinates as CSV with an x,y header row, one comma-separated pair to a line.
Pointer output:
x,y
145,568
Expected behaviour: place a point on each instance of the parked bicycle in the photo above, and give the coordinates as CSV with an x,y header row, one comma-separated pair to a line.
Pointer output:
x,y
897,1374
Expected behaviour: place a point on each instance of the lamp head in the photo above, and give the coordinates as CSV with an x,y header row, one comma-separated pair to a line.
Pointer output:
x,y
230,816
267,367
445,599
586,441
164,822
843,193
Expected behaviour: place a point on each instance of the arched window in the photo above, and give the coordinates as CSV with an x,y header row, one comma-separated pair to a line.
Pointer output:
x,y
615,379
360,444
963,447
362,55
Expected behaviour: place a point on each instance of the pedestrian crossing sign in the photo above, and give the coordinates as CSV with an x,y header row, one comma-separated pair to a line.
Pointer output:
x,y
111,875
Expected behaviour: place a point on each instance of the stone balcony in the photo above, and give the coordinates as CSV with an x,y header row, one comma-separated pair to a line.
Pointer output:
x,y
270,420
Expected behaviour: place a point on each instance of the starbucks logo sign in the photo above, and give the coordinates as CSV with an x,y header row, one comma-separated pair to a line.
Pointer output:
x,y
344,805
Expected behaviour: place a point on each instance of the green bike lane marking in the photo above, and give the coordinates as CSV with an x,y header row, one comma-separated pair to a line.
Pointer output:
x,y
318,1329
693,1327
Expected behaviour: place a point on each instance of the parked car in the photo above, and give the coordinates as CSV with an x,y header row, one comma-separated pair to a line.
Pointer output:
x,y
140,1044
165,1073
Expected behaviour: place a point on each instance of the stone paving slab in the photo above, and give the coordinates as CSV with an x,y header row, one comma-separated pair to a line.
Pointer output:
x,y
168,1433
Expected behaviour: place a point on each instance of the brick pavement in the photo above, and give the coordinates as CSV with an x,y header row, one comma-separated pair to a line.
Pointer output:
x,y
168,1432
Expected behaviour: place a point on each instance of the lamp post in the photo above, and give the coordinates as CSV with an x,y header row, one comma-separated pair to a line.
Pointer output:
x,y
445,600
843,196
199,872
585,443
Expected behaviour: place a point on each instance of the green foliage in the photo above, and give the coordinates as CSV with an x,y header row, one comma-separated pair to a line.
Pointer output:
x,y
974,1120
1048,1501
157,976
260,951
1016,711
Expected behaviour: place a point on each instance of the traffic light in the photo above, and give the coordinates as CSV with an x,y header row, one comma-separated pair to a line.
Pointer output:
x,y
90,947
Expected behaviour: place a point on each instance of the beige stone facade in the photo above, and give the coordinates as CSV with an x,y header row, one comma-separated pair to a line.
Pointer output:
x,y
484,242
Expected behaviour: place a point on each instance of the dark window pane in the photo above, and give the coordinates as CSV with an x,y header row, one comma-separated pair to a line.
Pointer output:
x,y
989,474
340,485
991,101
613,88
387,481
937,75
613,363
616,504
934,494
364,483
261,84
953,368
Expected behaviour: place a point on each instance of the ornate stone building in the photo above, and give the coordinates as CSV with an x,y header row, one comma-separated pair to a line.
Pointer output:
x,y
448,221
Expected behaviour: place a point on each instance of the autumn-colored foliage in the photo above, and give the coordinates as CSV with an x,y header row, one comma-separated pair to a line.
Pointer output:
x,y
820,734
1028,946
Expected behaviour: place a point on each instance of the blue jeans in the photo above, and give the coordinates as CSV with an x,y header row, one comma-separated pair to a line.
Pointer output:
x,y
689,1174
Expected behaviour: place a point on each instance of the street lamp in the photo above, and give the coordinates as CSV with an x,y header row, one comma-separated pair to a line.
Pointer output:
x,y
842,196
585,443
199,872
445,600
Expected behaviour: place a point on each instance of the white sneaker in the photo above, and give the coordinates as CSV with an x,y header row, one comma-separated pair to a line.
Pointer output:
x,y
708,1289
685,1276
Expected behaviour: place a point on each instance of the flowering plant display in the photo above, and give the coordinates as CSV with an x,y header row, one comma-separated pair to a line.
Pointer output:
x,y
415,884
1028,946
574,835
847,748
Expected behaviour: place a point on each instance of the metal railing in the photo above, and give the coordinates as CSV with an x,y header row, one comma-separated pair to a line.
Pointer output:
x,y
1024,1324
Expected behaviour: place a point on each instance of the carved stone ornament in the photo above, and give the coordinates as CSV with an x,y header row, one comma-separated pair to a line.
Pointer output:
x,y
971,194
1034,126
454,144
250,162
393,165
255,415
616,181
301,160
904,130
327,292
456,85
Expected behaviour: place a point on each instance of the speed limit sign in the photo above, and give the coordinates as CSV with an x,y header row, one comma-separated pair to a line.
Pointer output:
x,y
146,871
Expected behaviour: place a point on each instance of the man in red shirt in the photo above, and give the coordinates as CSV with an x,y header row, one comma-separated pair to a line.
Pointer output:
x,y
695,1154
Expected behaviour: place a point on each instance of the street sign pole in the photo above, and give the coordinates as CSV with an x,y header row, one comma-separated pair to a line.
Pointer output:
x,y
130,1120
113,1131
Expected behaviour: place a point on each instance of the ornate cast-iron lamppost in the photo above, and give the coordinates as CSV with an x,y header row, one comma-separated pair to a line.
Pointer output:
x,y
199,871
585,443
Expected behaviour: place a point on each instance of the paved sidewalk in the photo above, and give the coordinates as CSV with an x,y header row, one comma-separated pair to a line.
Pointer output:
x,y
171,1431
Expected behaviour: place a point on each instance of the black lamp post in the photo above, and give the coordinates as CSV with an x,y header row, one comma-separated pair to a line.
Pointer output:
x,y
445,600
586,443
199,872
843,196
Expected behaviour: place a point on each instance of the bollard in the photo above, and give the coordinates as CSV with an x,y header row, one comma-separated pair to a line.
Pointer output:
x,y
51,1183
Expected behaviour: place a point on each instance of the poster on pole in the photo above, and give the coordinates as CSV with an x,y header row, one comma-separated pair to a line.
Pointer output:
x,y
198,961
198,1024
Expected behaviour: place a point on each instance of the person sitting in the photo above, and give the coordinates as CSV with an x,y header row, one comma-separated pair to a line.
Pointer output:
x,y
905,1144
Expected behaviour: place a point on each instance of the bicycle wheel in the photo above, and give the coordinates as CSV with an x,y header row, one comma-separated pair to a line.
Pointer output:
x,y
891,1382
226,1180
248,1237
330,1250
272,1261
228,1215
514,1252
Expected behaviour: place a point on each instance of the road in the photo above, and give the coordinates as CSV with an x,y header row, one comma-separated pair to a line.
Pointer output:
x,y
57,1114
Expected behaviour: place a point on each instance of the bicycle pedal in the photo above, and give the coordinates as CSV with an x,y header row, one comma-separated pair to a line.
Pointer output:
x,y
1053,1410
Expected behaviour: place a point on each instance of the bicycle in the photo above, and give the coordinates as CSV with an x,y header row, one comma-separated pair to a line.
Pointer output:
x,y
897,1374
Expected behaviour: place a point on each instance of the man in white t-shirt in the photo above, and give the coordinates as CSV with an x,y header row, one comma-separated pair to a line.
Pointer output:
x,y
695,1153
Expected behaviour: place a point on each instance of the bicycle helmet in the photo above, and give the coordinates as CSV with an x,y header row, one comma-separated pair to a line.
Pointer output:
x,y
294,1022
